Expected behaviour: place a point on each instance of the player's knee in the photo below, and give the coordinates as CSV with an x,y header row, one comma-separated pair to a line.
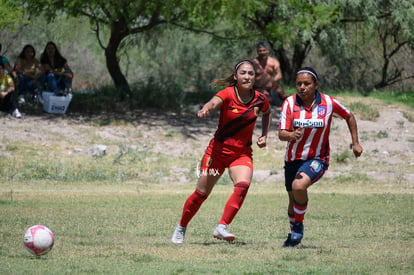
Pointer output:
x,y
299,185
241,188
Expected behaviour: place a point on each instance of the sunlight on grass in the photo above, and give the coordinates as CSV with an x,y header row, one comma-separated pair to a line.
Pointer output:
x,y
121,232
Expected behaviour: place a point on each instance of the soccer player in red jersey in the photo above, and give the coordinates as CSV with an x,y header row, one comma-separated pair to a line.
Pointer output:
x,y
230,147
305,122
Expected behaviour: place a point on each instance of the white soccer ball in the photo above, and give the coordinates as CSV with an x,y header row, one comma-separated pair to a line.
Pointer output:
x,y
38,240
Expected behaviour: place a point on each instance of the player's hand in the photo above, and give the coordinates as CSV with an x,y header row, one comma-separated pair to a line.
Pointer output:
x,y
357,149
261,142
203,113
298,133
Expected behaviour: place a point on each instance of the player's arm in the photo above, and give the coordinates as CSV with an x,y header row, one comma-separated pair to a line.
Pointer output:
x,y
286,131
285,135
353,129
277,71
210,106
266,120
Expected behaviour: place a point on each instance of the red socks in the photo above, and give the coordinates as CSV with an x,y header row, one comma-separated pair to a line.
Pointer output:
x,y
300,210
191,206
234,202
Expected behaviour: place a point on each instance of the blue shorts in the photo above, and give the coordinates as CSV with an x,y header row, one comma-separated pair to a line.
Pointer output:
x,y
314,168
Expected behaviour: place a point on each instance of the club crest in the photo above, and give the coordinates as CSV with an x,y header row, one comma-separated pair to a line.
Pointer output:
x,y
321,111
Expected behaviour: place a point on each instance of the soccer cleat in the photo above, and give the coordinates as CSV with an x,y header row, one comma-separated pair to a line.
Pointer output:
x,y
297,233
16,113
287,242
221,233
178,235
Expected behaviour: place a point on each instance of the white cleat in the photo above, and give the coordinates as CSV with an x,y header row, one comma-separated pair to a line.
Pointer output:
x,y
221,233
178,235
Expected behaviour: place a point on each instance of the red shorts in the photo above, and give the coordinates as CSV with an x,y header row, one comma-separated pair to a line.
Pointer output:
x,y
219,156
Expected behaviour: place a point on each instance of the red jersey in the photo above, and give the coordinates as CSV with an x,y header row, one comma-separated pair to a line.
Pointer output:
x,y
316,122
237,119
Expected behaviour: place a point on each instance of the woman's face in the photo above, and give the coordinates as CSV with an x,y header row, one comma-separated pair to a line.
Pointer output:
x,y
245,76
29,53
306,87
50,49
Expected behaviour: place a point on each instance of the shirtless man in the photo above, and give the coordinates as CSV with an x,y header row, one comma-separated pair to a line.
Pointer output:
x,y
268,73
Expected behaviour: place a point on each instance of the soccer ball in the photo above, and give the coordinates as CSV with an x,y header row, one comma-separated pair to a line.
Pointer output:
x,y
38,240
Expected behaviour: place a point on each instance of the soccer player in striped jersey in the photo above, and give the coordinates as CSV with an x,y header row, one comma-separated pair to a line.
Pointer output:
x,y
230,147
305,122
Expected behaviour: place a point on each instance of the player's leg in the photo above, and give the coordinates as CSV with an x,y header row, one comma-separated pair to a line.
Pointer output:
x,y
240,171
309,172
291,169
209,173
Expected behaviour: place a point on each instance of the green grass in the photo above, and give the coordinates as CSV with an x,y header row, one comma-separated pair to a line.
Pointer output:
x,y
115,214
390,97
126,229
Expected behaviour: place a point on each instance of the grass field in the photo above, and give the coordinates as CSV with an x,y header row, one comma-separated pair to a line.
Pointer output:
x,y
116,214
125,229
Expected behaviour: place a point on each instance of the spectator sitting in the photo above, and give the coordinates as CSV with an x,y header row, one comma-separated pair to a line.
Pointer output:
x,y
7,94
28,70
57,71
6,64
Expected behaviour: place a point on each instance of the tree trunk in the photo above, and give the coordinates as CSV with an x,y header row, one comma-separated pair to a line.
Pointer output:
x,y
290,67
112,62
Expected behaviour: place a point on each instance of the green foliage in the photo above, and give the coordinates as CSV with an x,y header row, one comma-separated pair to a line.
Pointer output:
x,y
11,15
369,44
358,45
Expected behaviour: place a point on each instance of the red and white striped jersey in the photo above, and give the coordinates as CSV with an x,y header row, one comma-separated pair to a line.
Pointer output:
x,y
316,124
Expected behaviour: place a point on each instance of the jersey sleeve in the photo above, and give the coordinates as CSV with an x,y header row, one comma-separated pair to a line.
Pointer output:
x,y
266,106
224,94
339,109
285,120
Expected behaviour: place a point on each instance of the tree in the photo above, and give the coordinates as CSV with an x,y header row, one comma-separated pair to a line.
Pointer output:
x,y
292,28
11,17
365,41
114,21
370,43
120,19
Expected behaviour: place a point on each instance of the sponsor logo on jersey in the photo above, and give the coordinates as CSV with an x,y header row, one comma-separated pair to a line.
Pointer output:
x,y
235,110
308,123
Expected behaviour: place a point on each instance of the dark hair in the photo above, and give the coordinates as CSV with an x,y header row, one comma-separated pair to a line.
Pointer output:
x,y
230,81
22,56
59,60
308,70
237,66
260,44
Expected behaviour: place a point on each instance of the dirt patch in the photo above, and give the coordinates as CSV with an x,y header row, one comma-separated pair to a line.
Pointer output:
x,y
388,142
